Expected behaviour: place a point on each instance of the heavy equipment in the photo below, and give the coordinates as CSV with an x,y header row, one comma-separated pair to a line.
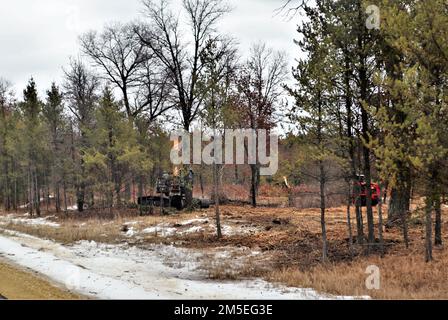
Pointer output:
x,y
360,191
171,192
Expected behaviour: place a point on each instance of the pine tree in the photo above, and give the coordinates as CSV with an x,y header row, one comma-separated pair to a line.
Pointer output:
x,y
33,138
415,126
7,163
219,66
113,149
80,91
53,111
316,108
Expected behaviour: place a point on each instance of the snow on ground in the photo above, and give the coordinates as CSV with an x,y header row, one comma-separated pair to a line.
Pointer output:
x,y
11,218
131,232
194,229
194,221
124,272
132,223
161,230
196,225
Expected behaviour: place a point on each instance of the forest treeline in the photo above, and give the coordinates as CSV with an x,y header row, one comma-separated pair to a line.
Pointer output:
x,y
106,127
375,100
368,101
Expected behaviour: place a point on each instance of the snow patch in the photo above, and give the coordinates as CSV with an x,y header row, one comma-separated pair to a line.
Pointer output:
x,y
29,221
124,272
160,230
131,232
194,229
192,221
132,223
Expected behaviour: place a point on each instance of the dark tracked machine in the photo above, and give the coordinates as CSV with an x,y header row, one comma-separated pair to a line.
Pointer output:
x,y
171,193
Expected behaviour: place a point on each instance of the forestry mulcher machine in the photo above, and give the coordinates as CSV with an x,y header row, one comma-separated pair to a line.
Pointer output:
x,y
360,191
171,192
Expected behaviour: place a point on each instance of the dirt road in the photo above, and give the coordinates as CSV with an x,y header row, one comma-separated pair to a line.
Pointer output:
x,y
16,284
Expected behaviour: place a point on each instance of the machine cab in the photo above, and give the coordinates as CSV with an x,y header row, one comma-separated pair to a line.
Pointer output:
x,y
360,191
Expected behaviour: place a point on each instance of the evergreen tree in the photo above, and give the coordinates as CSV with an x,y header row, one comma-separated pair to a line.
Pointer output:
x,y
53,111
33,137
81,94
315,110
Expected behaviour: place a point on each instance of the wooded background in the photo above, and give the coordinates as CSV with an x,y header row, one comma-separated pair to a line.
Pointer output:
x,y
370,101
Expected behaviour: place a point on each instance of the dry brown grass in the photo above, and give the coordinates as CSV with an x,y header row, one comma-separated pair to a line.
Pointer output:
x,y
404,276
72,232
95,228
295,249
236,264
290,242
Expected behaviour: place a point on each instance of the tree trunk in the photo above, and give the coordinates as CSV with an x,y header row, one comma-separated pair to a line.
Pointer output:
x,y
358,204
30,193
80,197
58,198
81,188
117,188
363,98
349,221
369,210
37,189
428,238
404,224
400,197
162,200
438,223
380,221
15,193
253,185
188,188
236,178
216,193
351,149
6,195
140,193
47,197
65,197
322,212
189,196
201,180
127,191
47,193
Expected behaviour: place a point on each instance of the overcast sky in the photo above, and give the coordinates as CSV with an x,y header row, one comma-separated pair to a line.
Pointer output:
x,y
38,37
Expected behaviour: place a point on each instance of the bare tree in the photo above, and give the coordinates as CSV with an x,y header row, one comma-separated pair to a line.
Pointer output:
x,y
6,94
139,75
164,38
126,63
260,89
154,97
121,56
